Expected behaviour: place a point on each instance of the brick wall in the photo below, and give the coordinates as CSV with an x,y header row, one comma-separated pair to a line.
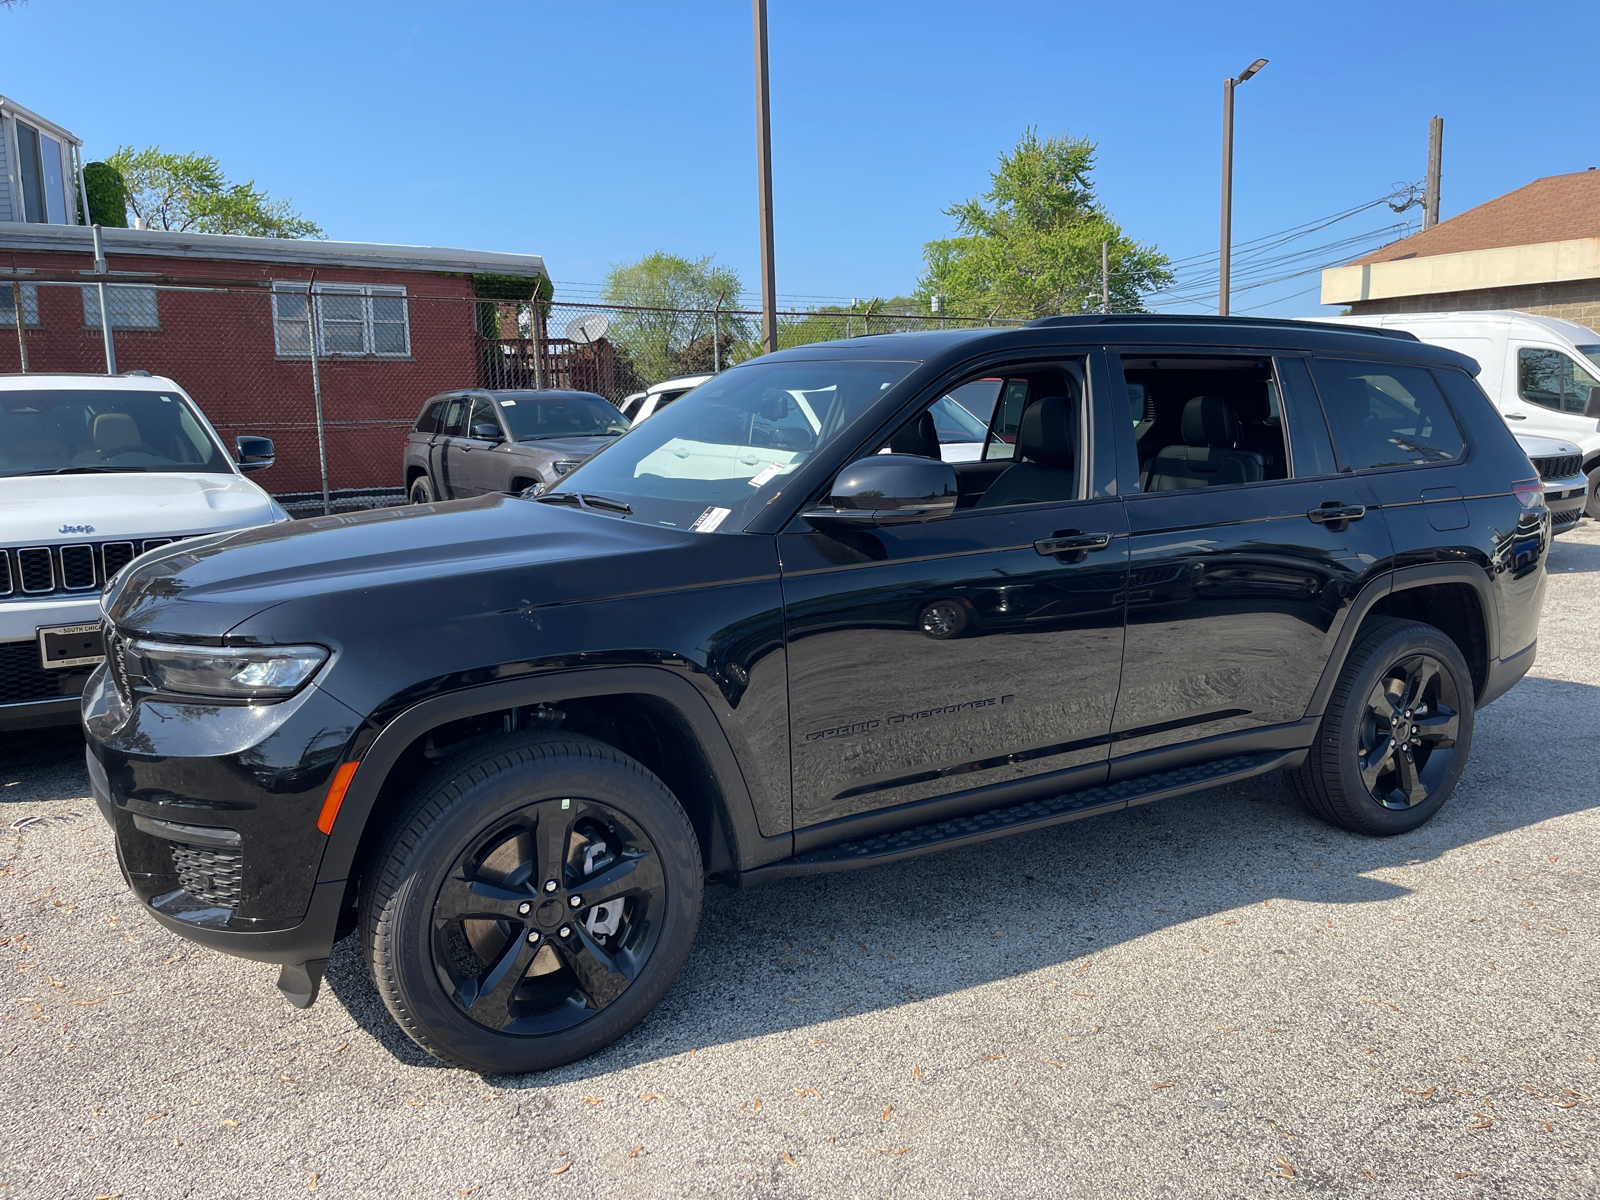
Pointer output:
x,y
1577,300
219,345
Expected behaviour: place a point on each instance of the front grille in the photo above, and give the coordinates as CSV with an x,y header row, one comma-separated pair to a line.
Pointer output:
x,y
80,567
206,873
22,678
1561,466
37,569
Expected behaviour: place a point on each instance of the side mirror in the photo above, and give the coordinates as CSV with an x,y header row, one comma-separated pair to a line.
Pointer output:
x,y
1592,408
888,489
486,431
253,453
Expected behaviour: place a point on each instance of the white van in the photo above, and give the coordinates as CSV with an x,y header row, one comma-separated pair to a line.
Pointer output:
x,y
94,471
1542,373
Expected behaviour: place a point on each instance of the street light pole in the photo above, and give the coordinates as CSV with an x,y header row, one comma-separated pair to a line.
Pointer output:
x,y
1224,286
769,298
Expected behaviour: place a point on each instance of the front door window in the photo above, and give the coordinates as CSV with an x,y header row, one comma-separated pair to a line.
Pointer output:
x,y
1552,380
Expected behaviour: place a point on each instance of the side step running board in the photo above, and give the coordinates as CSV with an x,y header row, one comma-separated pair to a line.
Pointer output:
x,y
1034,814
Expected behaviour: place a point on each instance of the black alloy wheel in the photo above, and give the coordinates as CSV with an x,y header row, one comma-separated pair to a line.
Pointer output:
x,y
548,916
943,619
1396,733
534,900
421,491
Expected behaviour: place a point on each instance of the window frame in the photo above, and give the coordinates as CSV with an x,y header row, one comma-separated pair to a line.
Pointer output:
x,y
1427,368
1115,354
31,318
368,293
91,297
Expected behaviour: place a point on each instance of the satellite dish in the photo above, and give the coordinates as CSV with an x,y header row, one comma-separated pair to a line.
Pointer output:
x,y
590,328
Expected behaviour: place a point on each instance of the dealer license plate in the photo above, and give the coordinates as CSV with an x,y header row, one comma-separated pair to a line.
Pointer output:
x,y
63,646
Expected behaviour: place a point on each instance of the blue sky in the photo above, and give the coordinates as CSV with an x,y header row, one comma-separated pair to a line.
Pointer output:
x,y
593,133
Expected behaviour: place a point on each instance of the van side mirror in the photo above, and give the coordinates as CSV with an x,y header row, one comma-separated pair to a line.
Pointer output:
x,y
253,453
888,489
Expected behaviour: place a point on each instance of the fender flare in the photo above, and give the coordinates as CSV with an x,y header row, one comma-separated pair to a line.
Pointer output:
x,y
1400,580
735,809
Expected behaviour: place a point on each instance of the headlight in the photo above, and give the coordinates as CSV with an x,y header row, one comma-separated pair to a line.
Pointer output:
x,y
565,466
239,673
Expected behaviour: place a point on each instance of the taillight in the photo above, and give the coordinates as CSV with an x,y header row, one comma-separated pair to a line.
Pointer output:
x,y
1530,493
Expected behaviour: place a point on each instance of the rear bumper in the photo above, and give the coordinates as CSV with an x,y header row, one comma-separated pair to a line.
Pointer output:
x,y
1506,673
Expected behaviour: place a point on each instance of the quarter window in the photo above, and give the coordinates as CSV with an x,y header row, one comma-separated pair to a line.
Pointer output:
x,y
353,321
1551,380
1385,415
432,418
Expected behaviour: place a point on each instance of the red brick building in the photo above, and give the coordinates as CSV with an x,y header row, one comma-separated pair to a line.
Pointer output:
x,y
227,318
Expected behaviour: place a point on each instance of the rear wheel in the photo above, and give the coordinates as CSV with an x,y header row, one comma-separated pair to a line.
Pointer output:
x,y
533,904
1395,736
421,491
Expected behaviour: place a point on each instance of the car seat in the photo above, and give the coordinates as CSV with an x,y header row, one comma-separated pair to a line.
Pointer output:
x,y
1209,455
1047,441
919,437
111,433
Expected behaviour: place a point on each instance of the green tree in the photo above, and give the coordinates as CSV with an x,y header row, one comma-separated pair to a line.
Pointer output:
x,y
1030,245
190,192
659,337
108,196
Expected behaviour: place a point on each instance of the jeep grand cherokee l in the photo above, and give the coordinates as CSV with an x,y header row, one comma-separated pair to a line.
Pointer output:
x,y
507,740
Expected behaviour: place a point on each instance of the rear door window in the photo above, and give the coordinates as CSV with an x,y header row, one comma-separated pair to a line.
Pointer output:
x,y
1386,415
455,417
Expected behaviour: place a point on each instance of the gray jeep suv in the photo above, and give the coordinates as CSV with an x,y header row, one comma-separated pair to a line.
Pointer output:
x,y
473,442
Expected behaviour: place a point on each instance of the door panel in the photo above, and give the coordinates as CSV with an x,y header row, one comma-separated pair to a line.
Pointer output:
x,y
932,658
1233,594
470,461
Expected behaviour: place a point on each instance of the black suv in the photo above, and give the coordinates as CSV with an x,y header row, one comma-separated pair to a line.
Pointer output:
x,y
770,632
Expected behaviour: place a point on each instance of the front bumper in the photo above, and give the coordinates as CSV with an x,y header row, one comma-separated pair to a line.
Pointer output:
x,y
30,696
1565,498
214,810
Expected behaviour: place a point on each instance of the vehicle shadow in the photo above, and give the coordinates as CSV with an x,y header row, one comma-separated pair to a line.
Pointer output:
x,y
800,952
1567,555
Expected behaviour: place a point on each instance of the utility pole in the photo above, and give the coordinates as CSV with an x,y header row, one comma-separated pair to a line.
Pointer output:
x,y
769,298
1224,284
1105,278
1430,193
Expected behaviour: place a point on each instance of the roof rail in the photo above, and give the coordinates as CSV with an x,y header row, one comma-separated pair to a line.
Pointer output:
x,y
1210,319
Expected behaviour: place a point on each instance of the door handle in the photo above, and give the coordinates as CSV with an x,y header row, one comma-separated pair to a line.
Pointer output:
x,y
1516,416
1072,541
1337,517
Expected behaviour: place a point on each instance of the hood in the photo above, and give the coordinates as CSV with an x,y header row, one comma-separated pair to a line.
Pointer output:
x,y
128,505
366,571
1535,446
568,447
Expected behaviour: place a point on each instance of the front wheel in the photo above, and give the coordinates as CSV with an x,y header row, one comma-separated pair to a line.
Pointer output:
x,y
1394,739
532,904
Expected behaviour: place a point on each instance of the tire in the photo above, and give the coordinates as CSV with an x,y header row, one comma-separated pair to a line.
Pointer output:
x,y
943,619
1357,775
421,491
506,991
1592,506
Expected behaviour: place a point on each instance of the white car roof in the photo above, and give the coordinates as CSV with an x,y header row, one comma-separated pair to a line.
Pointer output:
x,y
681,383
1567,330
34,381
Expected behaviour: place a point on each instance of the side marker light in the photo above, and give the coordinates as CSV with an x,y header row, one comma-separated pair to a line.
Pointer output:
x,y
336,791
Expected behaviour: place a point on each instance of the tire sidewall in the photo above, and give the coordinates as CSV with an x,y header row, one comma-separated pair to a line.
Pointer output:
x,y
409,913
1402,643
423,485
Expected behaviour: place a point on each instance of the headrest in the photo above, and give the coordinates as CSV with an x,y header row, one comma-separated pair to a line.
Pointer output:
x,y
1048,434
920,437
112,431
1210,421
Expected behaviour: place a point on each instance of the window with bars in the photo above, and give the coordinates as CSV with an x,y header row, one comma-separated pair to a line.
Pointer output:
x,y
30,306
353,321
131,307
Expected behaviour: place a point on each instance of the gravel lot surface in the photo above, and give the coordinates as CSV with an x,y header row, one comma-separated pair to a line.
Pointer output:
x,y
1214,996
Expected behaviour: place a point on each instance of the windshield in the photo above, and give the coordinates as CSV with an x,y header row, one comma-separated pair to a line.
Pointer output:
x,y
723,451
57,431
1592,353
534,415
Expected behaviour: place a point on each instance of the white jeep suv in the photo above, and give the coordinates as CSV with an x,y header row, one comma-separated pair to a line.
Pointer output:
x,y
94,471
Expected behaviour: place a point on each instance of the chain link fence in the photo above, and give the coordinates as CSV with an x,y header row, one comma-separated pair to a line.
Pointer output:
x,y
339,419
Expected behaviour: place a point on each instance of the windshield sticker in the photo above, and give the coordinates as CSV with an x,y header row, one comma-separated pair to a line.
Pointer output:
x,y
508,404
708,521
760,478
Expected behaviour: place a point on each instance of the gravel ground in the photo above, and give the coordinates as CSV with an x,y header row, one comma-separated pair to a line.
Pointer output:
x,y
1214,996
